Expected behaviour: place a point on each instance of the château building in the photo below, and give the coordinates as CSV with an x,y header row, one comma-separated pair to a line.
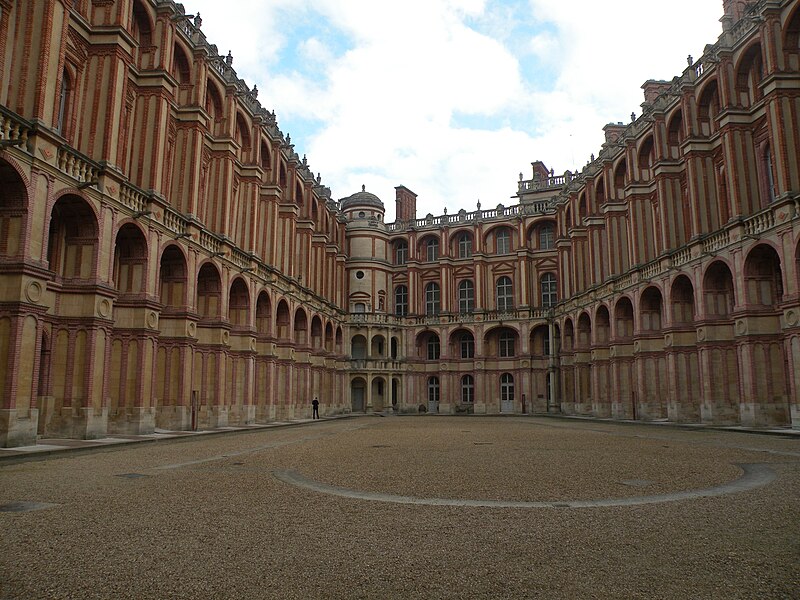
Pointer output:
x,y
167,260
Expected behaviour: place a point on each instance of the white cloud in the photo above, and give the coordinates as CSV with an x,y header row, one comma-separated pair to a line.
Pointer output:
x,y
385,107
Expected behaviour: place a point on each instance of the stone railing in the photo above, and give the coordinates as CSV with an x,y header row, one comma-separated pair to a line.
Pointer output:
x,y
132,197
77,166
13,128
759,222
538,184
174,221
541,207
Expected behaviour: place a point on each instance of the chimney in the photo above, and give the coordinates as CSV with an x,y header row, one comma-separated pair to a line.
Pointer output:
x,y
406,206
734,9
653,89
539,170
613,132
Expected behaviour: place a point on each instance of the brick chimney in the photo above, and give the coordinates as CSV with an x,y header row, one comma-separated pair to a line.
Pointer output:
x,y
539,170
406,206
735,9
613,131
653,89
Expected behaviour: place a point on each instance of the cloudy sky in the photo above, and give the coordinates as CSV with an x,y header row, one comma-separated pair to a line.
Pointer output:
x,y
452,98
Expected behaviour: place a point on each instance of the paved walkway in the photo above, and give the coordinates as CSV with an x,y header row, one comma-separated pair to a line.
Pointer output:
x,y
47,446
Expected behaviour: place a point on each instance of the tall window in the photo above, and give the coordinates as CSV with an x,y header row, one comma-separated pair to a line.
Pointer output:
x,y
433,389
506,387
549,294
466,296
400,253
506,344
401,300
432,295
464,245
434,350
546,236
505,294
467,389
432,249
503,241
63,100
467,345
360,307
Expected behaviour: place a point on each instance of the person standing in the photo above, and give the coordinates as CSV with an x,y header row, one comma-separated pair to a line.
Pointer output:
x,y
315,405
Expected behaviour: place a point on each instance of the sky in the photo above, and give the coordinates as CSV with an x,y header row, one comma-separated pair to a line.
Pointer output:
x,y
452,98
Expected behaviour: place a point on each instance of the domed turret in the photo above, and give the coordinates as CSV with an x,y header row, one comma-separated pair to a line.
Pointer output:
x,y
362,205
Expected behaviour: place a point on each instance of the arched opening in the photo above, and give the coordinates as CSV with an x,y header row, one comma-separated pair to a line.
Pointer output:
x,y
602,324
214,108
708,109
718,290
545,236
239,304
242,136
462,344
358,347
650,309
130,261
502,240
316,333
599,194
675,135
378,347
358,395
763,277
173,279
65,102
395,393
300,328
620,179
429,249
646,159
378,394
329,338
623,318
339,342
428,346
142,30
283,321
540,341
748,77
501,342
584,340
264,314
395,348
569,336
266,160
73,239
209,292
13,210
682,297
791,42
181,68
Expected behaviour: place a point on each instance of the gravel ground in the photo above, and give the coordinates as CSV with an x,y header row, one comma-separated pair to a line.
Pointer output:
x,y
209,520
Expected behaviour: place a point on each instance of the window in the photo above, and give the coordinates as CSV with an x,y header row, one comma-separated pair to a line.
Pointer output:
x,y
546,236
467,389
434,350
432,249
549,294
503,241
360,307
400,253
466,296
464,245
62,102
432,299
467,344
506,387
433,389
505,294
401,301
546,344
506,344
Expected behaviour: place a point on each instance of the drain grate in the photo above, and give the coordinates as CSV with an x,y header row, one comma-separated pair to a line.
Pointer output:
x,y
381,446
25,506
131,475
483,443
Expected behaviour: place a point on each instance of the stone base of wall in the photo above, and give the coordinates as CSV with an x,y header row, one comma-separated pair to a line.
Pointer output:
x,y
133,421
78,423
18,428
765,414
174,418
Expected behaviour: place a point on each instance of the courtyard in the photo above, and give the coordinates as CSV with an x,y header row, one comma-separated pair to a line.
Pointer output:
x,y
410,507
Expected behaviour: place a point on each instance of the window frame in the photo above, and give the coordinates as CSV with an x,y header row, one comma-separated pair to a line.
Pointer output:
x,y
466,345
502,241
466,296
464,245
548,288
467,389
401,308
504,291
432,250
433,299
434,347
506,344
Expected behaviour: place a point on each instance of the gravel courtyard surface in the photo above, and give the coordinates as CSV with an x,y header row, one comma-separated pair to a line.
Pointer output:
x,y
207,517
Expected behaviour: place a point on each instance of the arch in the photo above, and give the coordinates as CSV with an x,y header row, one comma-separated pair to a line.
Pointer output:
x,y
358,347
317,342
650,307
602,325
763,276
242,134
266,159
462,344
395,348
428,345
501,341
568,342
428,248
500,238
130,260
540,341
142,28
583,211
328,337
214,106
358,399
545,235
339,340
173,278
300,327
181,67
264,313
682,300
599,193
378,394
623,318
718,290
463,244
620,178
73,238
646,158
584,339
209,292
791,41
239,303
283,321
675,134
749,73
13,210
298,193
378,346
708,108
